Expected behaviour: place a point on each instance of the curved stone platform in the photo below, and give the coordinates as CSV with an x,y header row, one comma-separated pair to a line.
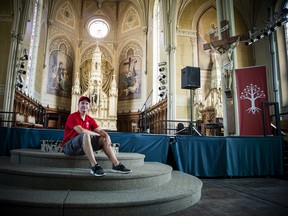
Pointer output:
x,y
80,179
36,157
31,184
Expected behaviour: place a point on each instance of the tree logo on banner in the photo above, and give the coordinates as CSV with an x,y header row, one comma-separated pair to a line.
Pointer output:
x,y
252,93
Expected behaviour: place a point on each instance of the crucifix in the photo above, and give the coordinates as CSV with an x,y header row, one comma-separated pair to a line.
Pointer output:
x,y
225,48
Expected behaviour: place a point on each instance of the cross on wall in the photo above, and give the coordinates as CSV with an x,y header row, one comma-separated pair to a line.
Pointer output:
x,y
226,40
223,47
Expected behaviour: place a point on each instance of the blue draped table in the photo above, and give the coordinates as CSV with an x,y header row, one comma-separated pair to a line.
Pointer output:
x,y
228,156
199,156
154,147
21,138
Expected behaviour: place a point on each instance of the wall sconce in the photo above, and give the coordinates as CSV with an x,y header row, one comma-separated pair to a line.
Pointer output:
x,y
267,32
19,85
163,94
162,88
162,79
279,19
19,81
260,36
22,72
20,78
162,63
24,55
22,64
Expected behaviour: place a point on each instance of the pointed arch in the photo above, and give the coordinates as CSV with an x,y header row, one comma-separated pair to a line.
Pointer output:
x,y
200,12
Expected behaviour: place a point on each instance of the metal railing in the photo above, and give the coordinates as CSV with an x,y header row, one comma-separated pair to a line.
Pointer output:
x,y
170,127
7,119
143,113
276,115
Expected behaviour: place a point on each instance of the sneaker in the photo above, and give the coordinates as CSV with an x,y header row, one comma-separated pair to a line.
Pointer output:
x,y
97,171
120,168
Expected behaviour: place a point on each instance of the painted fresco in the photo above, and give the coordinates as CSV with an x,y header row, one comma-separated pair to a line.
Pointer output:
x,y
130,77
60,74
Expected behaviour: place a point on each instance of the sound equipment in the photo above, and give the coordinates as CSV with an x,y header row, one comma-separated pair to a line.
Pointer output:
x,y
190,78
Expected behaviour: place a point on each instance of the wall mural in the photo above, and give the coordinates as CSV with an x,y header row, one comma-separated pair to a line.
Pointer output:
x,y
130,77
60,73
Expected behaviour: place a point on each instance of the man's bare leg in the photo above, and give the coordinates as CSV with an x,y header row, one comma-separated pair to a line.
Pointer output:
x,y
87,148
108,151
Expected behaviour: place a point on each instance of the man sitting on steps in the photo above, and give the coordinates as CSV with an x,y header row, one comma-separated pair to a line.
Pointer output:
x,y
83,135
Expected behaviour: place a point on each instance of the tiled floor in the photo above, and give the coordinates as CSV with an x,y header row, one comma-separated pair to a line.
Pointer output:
x,y
241,196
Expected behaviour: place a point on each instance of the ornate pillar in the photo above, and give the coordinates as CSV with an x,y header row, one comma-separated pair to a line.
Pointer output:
x,y
95,83
76,92
170,33
225,11
20,16
113,98
33,51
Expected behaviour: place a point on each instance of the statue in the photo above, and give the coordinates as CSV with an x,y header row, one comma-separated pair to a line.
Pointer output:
x,y
227,63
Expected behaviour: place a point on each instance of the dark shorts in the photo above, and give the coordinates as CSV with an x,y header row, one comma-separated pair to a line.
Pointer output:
x,y
73,147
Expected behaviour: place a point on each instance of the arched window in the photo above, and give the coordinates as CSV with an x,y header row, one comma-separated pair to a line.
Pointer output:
x,y
155,50
158,49
30,75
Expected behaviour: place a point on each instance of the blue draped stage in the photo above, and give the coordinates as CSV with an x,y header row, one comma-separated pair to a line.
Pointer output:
x,y
199,156
228,156
154,147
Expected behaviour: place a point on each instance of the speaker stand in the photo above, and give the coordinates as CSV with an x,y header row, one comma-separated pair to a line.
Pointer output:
x,y
191,105
191,126
193,129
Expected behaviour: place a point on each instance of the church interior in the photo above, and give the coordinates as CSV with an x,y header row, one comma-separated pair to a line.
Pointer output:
x,y
133,68
165,78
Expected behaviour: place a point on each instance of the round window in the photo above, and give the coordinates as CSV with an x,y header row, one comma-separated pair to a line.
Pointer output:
x,y
98,28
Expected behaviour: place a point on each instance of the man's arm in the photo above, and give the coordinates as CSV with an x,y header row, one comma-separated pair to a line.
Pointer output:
x,y
80,129
103,134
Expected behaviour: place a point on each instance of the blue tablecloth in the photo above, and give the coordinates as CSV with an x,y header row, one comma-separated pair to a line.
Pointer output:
x,y
154,147
19,138
252,156
228,156
199,156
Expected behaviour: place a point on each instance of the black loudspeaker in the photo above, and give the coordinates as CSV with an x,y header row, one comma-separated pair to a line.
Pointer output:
x,y
190,78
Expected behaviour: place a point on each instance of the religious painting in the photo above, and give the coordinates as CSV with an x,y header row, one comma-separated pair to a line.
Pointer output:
x,y
130,77
60,73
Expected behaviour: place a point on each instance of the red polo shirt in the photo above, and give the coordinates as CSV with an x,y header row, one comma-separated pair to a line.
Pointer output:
x,y
75,119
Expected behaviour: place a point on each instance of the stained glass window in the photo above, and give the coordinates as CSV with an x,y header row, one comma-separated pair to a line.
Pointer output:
x,y
98,28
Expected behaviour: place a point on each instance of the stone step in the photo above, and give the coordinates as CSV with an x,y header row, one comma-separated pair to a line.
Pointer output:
x,y
36,157
54,178
181,192
34,182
